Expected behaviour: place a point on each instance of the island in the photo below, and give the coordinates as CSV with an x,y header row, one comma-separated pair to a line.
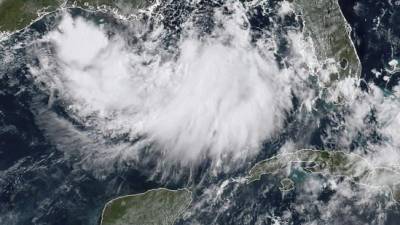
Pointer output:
x,y
330,163
287,185
154,207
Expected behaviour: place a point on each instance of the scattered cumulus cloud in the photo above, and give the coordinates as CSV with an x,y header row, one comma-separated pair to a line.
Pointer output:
x,y
219,96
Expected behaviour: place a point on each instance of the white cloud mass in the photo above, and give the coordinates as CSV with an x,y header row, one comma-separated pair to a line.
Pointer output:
x,y
214,96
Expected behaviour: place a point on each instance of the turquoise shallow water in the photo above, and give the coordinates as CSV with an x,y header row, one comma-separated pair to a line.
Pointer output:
x,y
43,181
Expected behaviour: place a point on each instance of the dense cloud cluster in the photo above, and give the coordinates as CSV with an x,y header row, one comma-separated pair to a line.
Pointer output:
x,y
218,96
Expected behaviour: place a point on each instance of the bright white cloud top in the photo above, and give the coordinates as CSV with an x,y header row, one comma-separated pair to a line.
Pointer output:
x,y
217,96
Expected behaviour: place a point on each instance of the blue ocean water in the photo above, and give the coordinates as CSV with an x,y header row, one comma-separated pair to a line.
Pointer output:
x,y
40,184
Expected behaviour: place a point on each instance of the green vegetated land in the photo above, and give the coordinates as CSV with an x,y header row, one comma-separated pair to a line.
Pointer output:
x,y
323,20
123,6
329,30
154,207
17,14
332,163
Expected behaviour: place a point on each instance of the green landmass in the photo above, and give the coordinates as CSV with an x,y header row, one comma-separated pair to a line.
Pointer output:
x,y
287,185
332,163
154,207
17,14
329,30
323,21
123,6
